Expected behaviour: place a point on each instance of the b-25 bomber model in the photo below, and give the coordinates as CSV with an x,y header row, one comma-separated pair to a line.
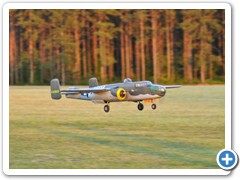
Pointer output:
x,y
126,91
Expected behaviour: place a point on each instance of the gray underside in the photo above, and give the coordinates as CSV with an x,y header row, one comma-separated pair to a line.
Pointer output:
x,y
108,97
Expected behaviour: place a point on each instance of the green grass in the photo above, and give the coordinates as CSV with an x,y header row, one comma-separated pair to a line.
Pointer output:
x,y
185,131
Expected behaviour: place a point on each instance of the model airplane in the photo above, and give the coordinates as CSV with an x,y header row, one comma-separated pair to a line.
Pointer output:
x,y
127,91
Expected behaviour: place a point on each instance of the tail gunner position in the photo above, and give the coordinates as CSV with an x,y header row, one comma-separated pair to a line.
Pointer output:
x,y
127,91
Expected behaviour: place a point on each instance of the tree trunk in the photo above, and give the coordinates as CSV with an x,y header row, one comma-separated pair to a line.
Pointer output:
x,y
84,52
187,56
142,46
30,49
160,49
21,45
154,45
137,60
111,63
222,42
102,59
42,55
127,52
168,46
210,58
17,56
210,69
203,63
52,69
89,53
202,56
63,76
190,60
12,47
170,51
102,49
77,66
31,60
130,50
95,53
123,75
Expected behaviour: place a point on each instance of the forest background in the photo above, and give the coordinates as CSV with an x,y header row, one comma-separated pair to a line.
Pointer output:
x,y
164,46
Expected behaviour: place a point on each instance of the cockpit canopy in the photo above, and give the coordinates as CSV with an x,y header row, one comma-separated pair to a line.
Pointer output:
x,y
127,80
143,84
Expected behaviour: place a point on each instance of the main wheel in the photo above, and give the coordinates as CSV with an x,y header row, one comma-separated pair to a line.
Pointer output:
x,y
154,106
140,106
106,108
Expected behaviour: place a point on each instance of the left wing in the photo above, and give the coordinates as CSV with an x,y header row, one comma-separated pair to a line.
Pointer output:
x,y
85,90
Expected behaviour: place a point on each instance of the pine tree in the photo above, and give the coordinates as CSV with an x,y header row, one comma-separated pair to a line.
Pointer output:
x,y
74,45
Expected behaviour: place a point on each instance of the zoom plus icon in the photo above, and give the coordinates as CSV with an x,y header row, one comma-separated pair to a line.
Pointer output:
x,y
227,159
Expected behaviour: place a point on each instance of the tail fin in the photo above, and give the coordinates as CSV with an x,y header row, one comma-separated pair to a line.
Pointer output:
x,y
55,89
93,82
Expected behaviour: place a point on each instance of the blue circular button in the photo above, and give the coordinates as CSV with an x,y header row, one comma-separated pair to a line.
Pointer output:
x,y
227,159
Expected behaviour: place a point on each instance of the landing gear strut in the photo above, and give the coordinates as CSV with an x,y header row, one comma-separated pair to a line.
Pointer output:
x,y
154,106
106,108
140,106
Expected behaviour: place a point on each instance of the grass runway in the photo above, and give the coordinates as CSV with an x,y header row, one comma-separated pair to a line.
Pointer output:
x,y
185,131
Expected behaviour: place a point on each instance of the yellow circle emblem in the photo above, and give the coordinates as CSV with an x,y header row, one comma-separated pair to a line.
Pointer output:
x,y
121,94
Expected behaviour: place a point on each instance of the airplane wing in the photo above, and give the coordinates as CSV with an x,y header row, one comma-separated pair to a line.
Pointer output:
x,y
84,90
172,86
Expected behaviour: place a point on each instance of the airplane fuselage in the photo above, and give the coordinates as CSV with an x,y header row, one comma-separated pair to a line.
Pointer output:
x,y
135,91
126,91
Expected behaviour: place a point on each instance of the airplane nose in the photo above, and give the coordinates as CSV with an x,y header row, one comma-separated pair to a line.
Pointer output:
x,y
161,90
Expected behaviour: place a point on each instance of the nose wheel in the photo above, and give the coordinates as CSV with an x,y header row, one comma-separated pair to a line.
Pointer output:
x,y
106,108
154,106
140,106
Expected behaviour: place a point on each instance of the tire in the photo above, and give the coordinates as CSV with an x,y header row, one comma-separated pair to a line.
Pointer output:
x,y
154,106
106,108
140,106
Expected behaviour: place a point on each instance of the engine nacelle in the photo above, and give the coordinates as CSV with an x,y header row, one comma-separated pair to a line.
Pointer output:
x,y
121,94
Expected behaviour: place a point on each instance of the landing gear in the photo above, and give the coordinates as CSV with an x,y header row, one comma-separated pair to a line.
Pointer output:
x,y
106,108
140,106
154,106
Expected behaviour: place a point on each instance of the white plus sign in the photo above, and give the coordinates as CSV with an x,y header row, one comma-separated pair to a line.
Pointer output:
x,y
227,159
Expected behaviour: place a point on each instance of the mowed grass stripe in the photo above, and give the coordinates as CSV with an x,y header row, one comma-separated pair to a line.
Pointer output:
x,y
136,149
142,151
181,147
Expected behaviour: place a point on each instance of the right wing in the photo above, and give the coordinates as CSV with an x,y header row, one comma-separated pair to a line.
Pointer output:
x,y
172,86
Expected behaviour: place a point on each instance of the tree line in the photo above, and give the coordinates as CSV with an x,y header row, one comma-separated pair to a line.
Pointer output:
x,y
165,46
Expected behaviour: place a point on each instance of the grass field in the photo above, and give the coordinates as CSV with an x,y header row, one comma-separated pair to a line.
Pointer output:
x,y
185,131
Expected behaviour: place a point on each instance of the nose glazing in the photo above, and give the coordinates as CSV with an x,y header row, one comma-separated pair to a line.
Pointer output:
x,y
161,90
